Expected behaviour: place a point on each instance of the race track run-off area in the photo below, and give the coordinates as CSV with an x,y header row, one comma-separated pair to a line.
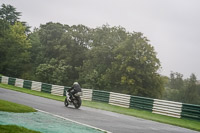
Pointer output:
x,y
44,122
89,117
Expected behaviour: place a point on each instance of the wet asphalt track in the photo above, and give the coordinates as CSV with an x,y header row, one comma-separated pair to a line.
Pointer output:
x,y
113,122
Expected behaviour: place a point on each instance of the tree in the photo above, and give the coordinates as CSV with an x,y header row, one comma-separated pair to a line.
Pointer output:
x,y
182,90
175,88
134,68
9,13
100,55
176,81
122,62
65,45
50,35
16,50
191,92
107,58
54,72
36,48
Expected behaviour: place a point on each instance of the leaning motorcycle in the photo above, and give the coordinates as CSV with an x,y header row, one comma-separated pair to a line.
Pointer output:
x,y
75,100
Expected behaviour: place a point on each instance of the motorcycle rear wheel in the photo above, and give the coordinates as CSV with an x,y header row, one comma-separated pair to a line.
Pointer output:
x,y
77,102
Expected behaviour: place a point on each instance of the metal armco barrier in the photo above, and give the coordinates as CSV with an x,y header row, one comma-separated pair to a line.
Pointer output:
x,y
87,94
118,99
4,80
190,111
11,81
168,108
162,107
57,90
19,83
101,96
141,103
27,84
46,88
36,86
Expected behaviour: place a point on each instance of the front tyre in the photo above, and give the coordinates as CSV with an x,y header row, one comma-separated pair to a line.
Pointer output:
x,y
66,102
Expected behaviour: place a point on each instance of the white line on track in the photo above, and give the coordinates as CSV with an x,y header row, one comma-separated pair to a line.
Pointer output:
x,y
73,121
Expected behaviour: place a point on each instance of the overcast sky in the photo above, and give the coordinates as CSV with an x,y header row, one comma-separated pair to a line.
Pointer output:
x,y
172,26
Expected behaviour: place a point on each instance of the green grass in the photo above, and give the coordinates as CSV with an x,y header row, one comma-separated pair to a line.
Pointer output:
x,y
17,108
190,124
32,92
15,129
186,123
13,107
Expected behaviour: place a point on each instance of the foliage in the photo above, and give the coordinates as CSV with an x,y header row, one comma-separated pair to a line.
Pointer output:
x,y
106,58
182,90
15,129
15,50
118,59
61,50
54,72
100,55
9,13
176,81
191,91
134,68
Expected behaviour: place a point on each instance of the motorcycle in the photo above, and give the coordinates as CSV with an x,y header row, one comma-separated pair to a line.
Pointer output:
x,y
74,100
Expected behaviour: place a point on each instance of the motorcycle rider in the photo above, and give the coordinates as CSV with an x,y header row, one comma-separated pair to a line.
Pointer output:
x,y
74,89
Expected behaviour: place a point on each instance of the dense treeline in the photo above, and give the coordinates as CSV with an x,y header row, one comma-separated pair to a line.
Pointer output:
x,y
14,45
105,58
182,90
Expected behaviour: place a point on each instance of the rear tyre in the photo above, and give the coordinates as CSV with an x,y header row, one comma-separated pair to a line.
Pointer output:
x,y
66,102
77,102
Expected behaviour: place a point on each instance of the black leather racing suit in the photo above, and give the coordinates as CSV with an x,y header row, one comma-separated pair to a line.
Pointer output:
x,y
74,89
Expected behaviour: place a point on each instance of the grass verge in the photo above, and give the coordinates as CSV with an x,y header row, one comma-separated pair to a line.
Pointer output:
x,y
13,107
190,124
15,129
17,108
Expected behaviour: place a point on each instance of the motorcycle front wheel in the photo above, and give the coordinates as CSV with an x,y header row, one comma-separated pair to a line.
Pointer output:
x,y
66,102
